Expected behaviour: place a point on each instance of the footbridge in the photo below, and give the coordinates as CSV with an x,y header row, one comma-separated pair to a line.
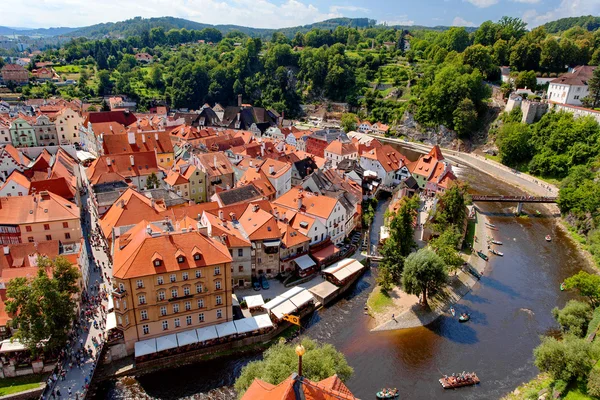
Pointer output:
x,y
520,200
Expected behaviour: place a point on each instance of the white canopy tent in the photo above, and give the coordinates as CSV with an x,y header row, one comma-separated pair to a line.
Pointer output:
x,y
7,346
145,347
166,342
111,304
302,298
226,329
207,333
254,301
274,303
286,307
292,292
187,337
263,321
304,262
344,268
246,325
111,320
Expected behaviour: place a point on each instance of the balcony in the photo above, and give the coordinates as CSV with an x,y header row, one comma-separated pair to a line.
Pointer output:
x,y
119,293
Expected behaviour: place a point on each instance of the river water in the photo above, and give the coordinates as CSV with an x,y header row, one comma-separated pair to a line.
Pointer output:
x,y
510,308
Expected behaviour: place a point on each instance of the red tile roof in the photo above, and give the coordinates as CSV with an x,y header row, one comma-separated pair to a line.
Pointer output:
x,y
144,163
388,157
296,387
119,143
312,204
41,207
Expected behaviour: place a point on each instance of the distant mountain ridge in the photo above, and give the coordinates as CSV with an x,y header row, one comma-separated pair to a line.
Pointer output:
x,y
47,32
588,22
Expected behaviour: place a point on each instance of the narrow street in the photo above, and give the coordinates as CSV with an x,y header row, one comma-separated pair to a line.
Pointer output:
x,y
78,376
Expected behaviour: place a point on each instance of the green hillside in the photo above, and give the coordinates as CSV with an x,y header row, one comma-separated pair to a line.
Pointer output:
x,y
588,22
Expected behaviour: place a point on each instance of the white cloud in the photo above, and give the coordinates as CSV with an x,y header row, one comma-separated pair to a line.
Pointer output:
x,y
483,3
567,8
527,1
255,13
458,21
399,20
338,9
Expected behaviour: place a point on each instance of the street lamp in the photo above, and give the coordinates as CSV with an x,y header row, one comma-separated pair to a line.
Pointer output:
x,y
300,350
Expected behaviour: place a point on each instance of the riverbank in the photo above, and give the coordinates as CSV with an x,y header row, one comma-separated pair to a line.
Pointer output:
x,y
405,312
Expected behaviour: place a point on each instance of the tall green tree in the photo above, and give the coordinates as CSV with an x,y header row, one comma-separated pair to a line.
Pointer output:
x,y
152,182
513,140
574,317
451,208
349,122
446,246
565,359
43,308
319,362
465,117
587,285
424,273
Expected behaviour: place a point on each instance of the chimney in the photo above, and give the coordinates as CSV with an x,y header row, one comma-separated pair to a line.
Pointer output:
x,y
271,170
108,161
6,250
49,170
143,138
153,203
262,150
130,137
215,161
250,163
132,160
202,229
148,229
239,101
221,216
299,202
122,203
177,226
276,213
156,136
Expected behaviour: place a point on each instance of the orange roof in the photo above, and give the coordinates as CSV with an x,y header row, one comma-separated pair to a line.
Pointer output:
x,y
215,164
18,178
447,180
144,141
144,164
296,387
258,223
290,236
246,135
32,209
425,165
135,251
312,204
342,149
130,208
59,186
193,211
19,157
108,128
279,168
388,157
175,178
234,237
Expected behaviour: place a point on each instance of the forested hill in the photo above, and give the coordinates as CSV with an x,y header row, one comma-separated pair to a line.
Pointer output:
x,y
135,27
8,31
588,22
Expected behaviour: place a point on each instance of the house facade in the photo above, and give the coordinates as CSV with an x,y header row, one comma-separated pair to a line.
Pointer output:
x,y
22,133
45,131
67,123
571,87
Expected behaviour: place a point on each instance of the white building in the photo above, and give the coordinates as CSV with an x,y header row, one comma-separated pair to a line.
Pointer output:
x,y
571,87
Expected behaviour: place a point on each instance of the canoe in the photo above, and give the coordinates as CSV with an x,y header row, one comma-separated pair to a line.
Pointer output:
x,y
490,225
548,238
562,287
480,254
453,311
497,242
380,395
496,252
464,319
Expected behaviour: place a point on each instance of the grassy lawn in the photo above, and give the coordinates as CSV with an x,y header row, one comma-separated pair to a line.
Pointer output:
x,y
493,158
68,69
20,384
378,300
469,237
530,389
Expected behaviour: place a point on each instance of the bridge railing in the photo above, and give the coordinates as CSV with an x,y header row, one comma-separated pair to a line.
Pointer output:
x,y
517,199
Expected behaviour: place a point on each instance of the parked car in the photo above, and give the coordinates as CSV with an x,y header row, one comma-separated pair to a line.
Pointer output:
x,y
256,285
263,282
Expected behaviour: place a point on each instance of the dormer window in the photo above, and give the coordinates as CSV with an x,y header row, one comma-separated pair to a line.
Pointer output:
x,y
196,253
197,256
157,263
180,259
157,260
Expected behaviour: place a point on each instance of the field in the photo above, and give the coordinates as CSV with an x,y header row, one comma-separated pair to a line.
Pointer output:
x,y
20,384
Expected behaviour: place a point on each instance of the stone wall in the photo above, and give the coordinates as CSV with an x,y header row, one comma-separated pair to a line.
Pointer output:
x,y
577,111
533,111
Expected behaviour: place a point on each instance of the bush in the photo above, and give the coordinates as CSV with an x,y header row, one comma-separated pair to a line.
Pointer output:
x,y
593,383
574,317
567,359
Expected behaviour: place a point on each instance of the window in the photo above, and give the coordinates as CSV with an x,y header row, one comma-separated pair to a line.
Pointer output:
x,y
241,268
180,259
127,320
46,227
218,285
142,299
199,288
67,235
201,303
145,329
163,311
140,283
121,287
160,280
198,274
173,277
188,320
48,237
165,325
144,315
161,296
175,308
65,224
240,252
201,317
219,300
185,276
258,245
157,263
120,320
173,292
28,228
188,305
197,257
30,239
177,324
217,270
186,291
219,313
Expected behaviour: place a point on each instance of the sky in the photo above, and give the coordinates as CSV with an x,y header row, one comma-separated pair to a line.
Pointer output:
x,y
285,13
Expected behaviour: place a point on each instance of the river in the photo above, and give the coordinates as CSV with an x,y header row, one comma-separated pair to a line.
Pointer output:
x,y
510,308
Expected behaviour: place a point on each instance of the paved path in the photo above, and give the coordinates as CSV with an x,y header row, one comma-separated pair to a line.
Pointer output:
x,y
75,379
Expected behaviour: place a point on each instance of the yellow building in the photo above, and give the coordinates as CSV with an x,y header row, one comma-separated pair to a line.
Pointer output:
x,y
38,218
169,279
187,181
67,123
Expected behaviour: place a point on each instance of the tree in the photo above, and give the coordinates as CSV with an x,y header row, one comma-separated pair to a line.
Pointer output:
x,y
486,34
513,140
319,362
574,317
457,39
104,83
594,87
446,246
105,106
588,285
450,211
511,28
566,359
43,308
479,56
424,273
526,79
464,117
349,122
152,181
593,383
